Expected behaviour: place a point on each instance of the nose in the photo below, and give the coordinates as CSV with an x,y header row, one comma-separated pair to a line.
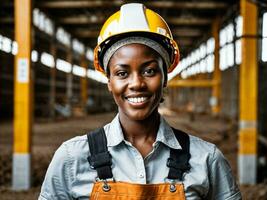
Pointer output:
x,y
136,82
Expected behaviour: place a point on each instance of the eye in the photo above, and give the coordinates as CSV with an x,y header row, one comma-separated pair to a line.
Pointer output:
x,y
149,72
122,74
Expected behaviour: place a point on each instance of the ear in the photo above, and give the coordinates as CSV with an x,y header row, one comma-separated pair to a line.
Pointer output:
x,y
109,86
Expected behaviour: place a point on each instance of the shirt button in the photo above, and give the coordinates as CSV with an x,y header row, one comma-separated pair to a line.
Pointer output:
x,y
141,175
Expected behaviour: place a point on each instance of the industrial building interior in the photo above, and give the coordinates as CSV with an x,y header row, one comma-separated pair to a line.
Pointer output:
x,y
50,92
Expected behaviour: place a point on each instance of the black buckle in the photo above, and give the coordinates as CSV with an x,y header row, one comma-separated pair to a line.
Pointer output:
x,y
171,163
100,160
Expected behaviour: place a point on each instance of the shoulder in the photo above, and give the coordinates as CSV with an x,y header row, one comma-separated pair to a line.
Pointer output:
x,y
200,146
210,174
207,157
78,146
68,165
78,141
71,147
69,151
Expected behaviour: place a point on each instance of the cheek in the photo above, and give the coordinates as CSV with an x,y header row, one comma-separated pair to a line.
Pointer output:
x,y
115,87
157,84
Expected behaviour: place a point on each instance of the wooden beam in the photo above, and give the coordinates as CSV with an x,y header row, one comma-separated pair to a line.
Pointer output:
x,y
186,32
217,74
183,32
69,82
191,83
116,3
82,19
184,41
188,21
84,85
84,33
52,82
78,4
94,19
187,5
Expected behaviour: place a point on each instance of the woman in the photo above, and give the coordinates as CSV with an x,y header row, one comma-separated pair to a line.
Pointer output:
x,y
138,155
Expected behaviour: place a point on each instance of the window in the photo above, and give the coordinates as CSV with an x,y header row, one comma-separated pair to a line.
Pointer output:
x,y
47,59
79,71
199,61
230,54
63,65
41,21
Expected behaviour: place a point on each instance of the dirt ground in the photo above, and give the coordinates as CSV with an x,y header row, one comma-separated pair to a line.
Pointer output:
x,y
49,135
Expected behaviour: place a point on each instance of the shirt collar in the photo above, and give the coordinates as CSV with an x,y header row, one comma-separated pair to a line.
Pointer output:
x,y
165,134
114,133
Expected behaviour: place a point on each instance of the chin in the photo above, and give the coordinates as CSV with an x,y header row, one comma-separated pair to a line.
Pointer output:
x,y
138,118
142,115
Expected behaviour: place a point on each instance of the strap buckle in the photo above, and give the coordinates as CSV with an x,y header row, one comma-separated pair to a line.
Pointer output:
x,y
100,160
171,163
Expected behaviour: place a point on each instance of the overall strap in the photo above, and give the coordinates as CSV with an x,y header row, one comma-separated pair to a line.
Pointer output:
x,y
178,162
100,158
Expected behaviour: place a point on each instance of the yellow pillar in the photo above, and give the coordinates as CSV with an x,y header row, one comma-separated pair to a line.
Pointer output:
x,y
23,97
248,96
83,85
216,89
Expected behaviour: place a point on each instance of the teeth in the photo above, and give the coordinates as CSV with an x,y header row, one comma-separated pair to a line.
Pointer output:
x,y
137,99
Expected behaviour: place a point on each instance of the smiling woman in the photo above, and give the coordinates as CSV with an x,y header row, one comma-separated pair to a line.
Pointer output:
x,y
138,155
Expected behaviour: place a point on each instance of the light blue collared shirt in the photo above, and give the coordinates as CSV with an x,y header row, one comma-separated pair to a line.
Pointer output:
x,y
69,175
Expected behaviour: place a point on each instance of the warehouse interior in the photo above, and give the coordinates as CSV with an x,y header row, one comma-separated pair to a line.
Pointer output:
x,y
50,92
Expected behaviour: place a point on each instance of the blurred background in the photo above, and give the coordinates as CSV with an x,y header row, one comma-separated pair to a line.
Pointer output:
x,y
50,92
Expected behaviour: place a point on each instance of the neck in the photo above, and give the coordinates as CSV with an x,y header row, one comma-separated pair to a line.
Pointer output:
x,y
140,129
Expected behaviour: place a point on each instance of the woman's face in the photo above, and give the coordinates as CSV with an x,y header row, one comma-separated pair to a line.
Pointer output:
x,y
136,80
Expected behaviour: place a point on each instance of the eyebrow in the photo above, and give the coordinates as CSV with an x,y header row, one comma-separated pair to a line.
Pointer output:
x,y
149,62
143,64
121,65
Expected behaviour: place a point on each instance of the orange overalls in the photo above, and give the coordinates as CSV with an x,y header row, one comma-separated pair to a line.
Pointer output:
x,y
100,159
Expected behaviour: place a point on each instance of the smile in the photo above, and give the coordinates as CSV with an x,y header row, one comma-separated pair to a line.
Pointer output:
x,y
137,99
